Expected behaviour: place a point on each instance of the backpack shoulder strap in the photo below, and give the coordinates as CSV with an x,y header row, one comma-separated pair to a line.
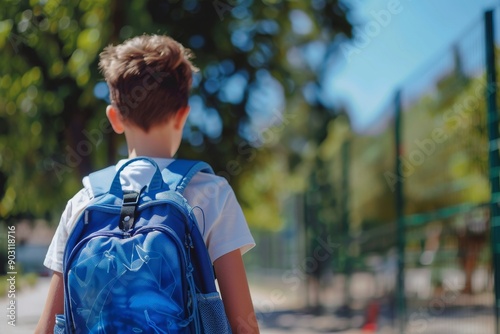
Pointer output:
x,y
177,175
180,172
100,181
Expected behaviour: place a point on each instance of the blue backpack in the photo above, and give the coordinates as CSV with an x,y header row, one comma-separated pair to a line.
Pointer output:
x,y
136,262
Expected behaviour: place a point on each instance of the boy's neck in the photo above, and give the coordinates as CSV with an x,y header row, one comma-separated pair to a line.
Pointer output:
x,y
159,142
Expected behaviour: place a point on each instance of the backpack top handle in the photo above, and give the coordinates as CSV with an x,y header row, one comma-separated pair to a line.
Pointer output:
x,y
156,184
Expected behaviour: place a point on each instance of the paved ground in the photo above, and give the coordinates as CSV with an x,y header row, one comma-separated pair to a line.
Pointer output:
x,y
280,310
277,313
29,304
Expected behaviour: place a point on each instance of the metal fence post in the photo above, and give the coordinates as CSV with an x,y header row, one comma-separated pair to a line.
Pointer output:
x,y
401,237
494,160
346,235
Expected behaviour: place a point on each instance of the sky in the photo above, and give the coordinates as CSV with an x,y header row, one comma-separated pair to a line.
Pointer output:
x,y
396,41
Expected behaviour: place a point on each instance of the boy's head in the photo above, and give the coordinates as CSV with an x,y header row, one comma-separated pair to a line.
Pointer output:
x,y
149,78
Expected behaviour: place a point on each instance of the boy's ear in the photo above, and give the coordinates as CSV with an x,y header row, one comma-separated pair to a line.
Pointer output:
x,y
181,117
115,119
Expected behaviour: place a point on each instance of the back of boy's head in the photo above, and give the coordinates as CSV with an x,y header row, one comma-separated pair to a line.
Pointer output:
x,y
149,78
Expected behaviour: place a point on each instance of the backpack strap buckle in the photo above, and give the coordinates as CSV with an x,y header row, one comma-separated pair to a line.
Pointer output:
x,y
128,210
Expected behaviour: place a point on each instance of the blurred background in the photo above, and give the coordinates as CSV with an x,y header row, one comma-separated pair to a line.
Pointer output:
x,y
361,138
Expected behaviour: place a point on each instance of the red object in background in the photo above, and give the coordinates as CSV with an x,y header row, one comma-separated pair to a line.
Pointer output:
x,y
372,313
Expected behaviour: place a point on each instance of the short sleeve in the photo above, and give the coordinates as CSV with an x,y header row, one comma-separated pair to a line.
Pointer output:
x,y
55,253
219,215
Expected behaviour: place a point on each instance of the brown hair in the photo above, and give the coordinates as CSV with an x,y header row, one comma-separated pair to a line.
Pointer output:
x,y
149,78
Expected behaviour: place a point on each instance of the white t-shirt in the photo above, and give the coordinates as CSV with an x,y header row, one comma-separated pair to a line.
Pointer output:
x,y
219,215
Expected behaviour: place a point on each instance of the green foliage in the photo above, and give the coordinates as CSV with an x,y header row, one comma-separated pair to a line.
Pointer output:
x,y
444,159
53,129
46,98
451,139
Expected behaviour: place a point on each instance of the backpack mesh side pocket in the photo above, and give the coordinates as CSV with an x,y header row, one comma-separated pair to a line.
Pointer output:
x,y
60,325
212,315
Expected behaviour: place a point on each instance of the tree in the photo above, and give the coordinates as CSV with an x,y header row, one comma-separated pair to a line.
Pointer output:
x,y
52,126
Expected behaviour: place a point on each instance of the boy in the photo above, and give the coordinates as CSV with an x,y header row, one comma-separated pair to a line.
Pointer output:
x,y
149,78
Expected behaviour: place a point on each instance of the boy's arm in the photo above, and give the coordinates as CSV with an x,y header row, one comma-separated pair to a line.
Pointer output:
x,y
233,286
54,305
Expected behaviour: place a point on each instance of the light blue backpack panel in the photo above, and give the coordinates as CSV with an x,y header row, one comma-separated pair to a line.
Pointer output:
x,y
136,261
